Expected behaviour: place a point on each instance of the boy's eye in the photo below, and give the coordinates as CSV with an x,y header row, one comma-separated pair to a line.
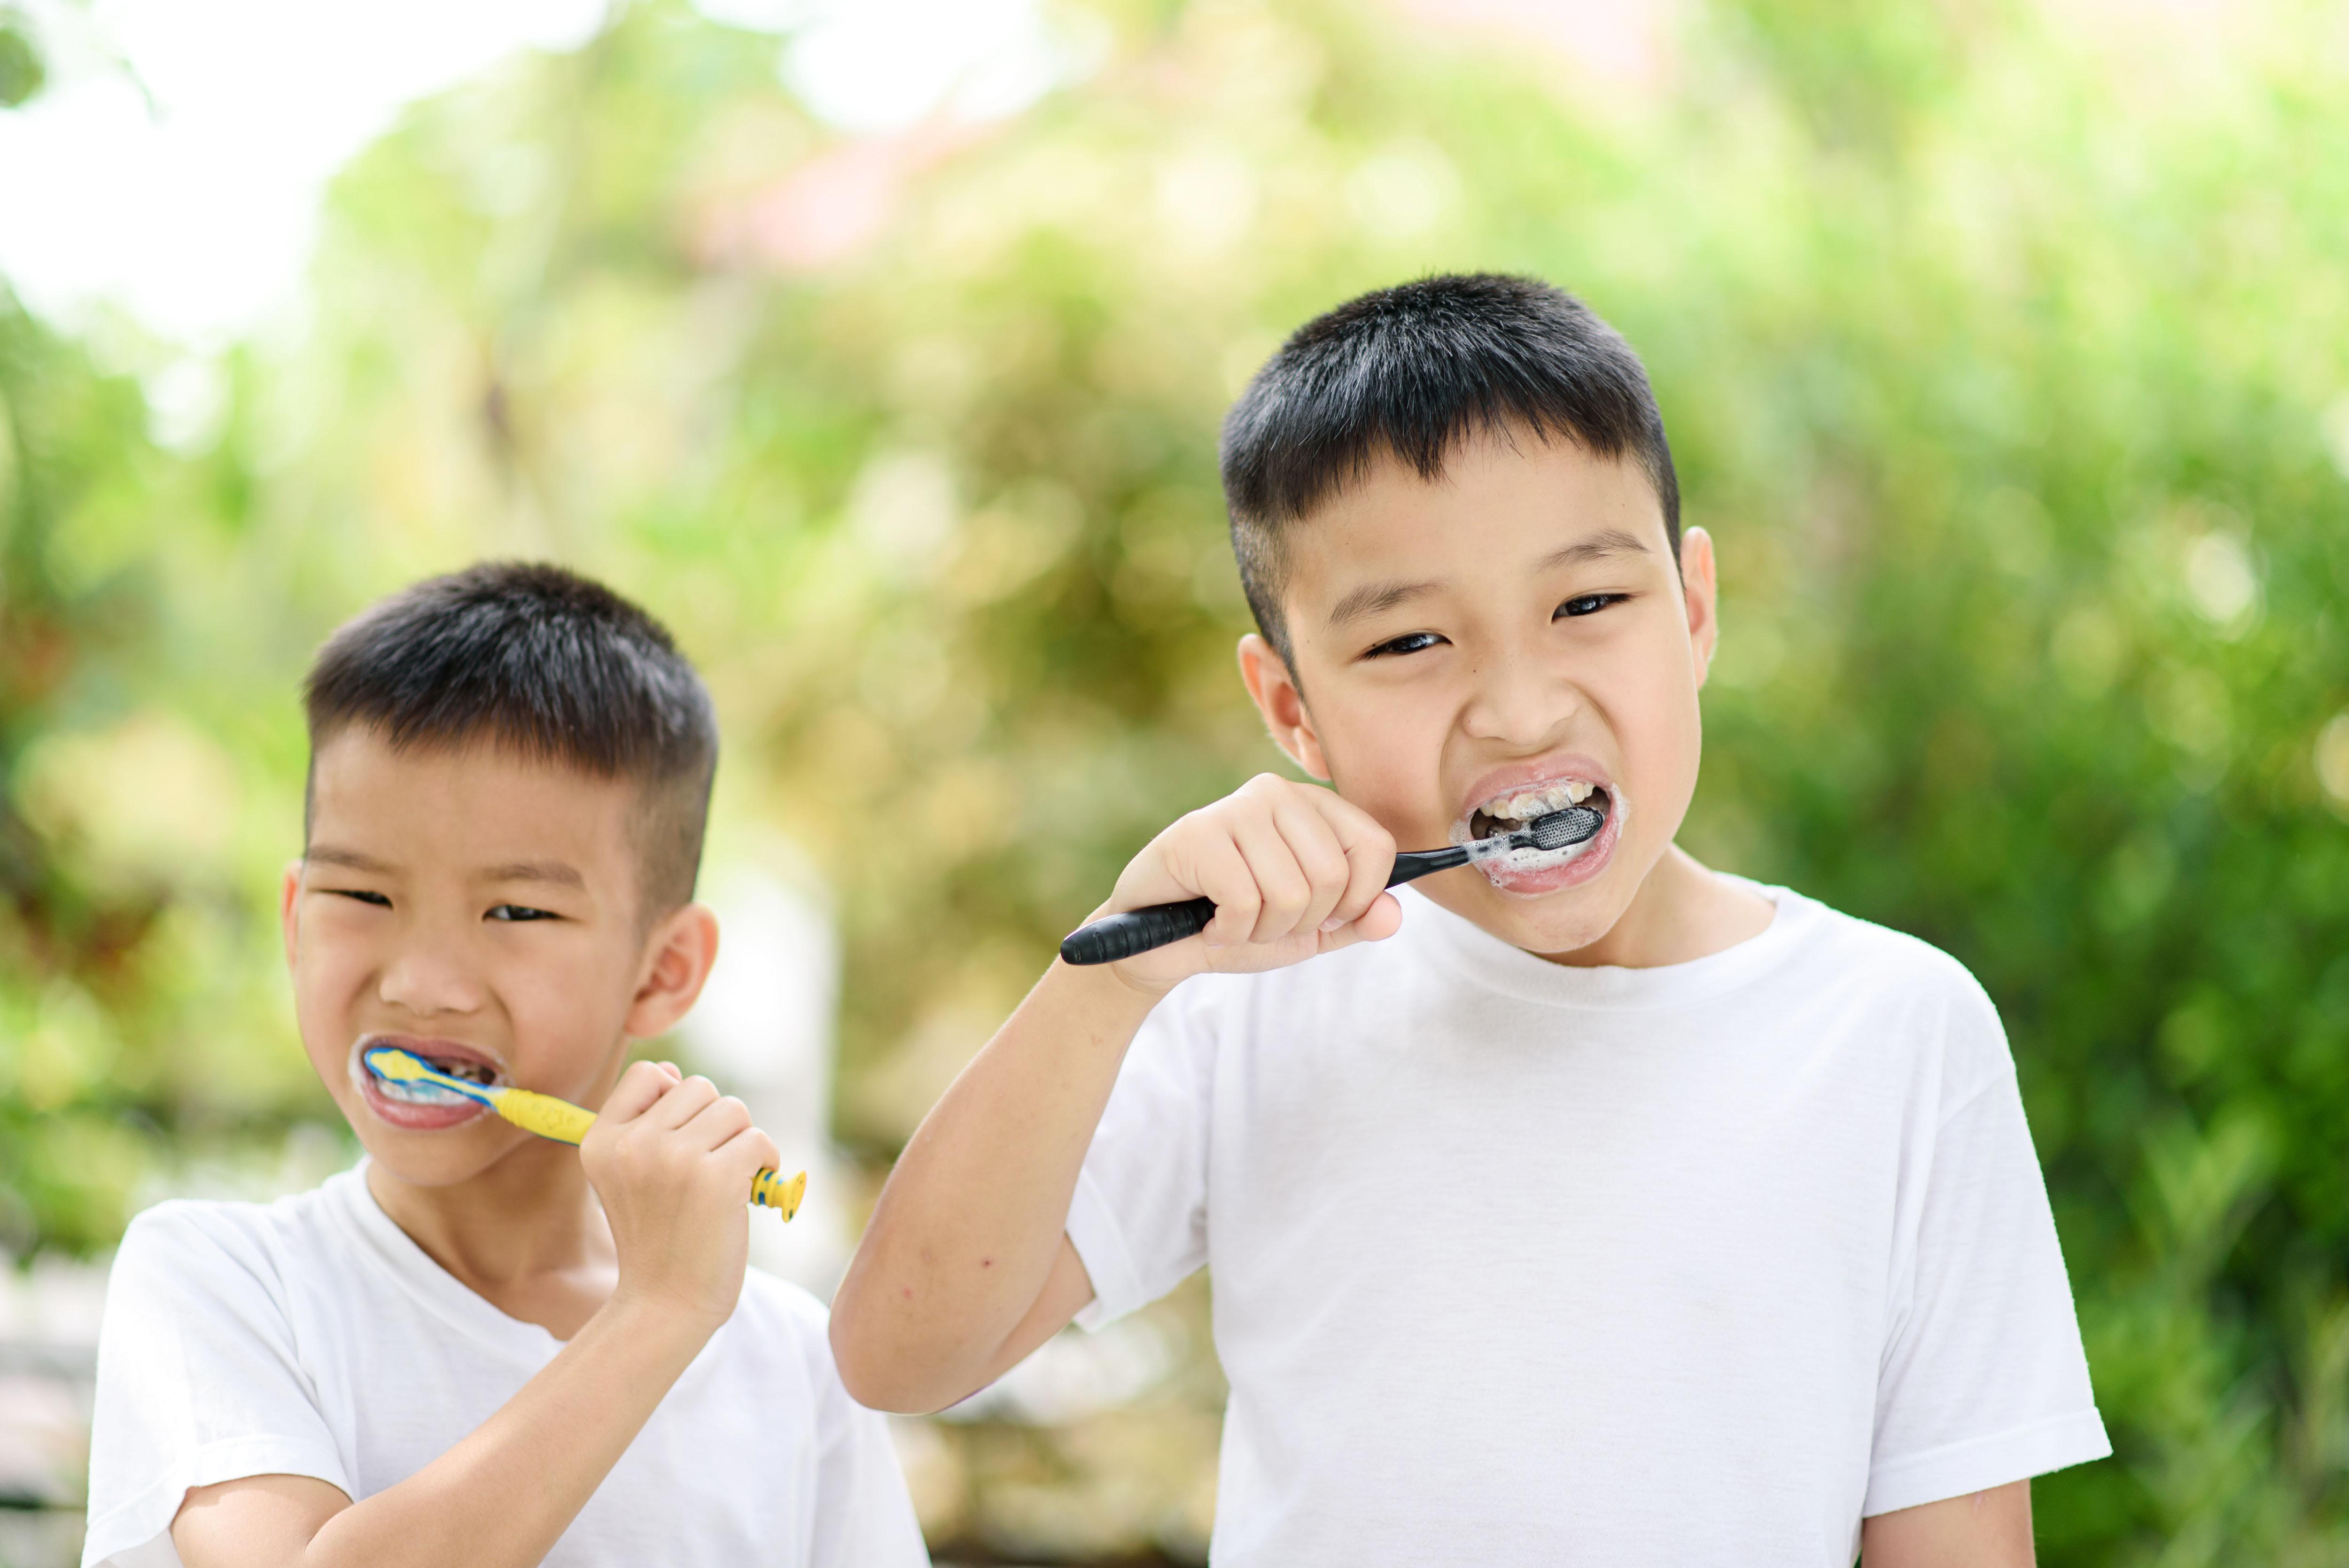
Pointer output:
x,y
361,894
1408,643
517,911
1588,603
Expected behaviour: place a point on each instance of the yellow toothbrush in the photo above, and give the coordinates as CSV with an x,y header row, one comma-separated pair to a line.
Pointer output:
x,y
552,1117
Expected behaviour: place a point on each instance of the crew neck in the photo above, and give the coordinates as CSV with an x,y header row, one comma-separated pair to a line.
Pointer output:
x,y
1470,950
421,1276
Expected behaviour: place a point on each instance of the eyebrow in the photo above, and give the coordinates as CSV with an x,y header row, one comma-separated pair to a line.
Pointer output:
x,y
349,859
1376,598
1607,541
538,871
554,871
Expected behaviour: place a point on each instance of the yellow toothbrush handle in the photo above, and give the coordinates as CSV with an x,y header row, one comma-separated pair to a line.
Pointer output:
x,y
768,1187
546,1115
567,1124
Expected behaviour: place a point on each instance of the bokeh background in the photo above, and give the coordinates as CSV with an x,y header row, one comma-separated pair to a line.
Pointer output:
x,y
880,349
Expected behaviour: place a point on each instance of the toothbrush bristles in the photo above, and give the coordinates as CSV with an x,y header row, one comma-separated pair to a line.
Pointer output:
x,y
1559,829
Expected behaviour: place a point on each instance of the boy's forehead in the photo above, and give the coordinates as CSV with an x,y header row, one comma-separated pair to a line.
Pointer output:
x,y
478,801
1510,500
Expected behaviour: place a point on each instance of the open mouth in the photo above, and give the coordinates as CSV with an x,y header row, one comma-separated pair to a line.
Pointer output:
x,y
1532,872
1512,813
412,1104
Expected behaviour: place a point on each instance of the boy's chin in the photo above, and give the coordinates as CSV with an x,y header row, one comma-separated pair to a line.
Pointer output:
x,y
442,1158
1555,923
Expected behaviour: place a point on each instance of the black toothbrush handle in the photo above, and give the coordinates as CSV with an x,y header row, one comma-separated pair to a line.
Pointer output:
x,y
1116,936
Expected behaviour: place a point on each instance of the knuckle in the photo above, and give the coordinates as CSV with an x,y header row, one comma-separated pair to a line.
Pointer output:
x,y
1286,902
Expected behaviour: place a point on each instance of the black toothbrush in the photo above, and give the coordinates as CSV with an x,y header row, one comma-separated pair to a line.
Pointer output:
x,y
1116,936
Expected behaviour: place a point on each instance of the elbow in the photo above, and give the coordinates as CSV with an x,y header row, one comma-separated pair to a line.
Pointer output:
x,y
872,1373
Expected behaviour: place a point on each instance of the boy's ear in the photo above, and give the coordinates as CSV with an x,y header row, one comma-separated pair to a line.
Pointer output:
x,y
289,892
1282,701
678,954
1701,594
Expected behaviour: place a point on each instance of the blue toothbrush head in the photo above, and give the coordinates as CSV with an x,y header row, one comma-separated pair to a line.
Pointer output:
x,y
392,1064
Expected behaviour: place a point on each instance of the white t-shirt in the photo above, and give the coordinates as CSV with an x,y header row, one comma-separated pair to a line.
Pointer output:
x,y
1520,1263
311,1337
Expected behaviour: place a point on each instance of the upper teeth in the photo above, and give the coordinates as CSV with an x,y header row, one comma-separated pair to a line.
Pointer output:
x,y
1540,802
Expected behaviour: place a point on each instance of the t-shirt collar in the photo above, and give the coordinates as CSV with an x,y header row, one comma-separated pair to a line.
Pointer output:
x,y
1467,948
414,1270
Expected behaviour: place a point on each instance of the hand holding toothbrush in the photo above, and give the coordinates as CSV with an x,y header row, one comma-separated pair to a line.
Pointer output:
x,y
670,1158
1292,870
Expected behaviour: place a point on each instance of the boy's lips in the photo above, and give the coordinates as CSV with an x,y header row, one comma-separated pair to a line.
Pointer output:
x,y
1530,876
1509,798
421,1108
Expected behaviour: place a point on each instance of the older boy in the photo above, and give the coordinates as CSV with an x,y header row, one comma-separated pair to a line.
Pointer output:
x,y
478,1347
1614,1210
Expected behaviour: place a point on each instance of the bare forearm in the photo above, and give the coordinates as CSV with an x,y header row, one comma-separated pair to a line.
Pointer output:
x,y
968,1227
506,1493
1983,1529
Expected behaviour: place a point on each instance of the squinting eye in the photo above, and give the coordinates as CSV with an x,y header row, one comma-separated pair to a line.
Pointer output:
x,y
517,911
361,894
1408,643
1589,604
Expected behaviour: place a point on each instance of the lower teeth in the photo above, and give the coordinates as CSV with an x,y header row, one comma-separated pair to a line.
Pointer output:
x,y
419,1093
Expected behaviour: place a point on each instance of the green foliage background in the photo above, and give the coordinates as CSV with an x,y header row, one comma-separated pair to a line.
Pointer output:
x,y
2007,360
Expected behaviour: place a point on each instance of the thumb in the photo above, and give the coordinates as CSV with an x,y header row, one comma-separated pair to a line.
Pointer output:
x,y
1376,924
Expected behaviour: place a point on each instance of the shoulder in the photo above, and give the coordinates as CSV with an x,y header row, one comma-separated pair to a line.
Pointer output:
x,y
1879,957
205,1245
790,1335
202,1232
1901,981
776,1304
1827,934
785,1323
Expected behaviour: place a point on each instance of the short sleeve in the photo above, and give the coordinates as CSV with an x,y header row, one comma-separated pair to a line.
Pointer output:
x,y
1984,1381
863,1514
1139,1217
198,1382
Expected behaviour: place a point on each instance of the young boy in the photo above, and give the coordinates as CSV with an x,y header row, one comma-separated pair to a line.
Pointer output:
x,y
479,1347
1591,1206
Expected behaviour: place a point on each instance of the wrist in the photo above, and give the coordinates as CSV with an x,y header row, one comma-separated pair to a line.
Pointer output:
x,y
1110,986
662,1325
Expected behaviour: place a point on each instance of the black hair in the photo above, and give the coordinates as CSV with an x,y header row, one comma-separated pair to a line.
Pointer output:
x,y
1411,371
546,663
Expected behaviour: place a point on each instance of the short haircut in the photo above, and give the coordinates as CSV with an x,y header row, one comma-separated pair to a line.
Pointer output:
x,y
546,664
1410,372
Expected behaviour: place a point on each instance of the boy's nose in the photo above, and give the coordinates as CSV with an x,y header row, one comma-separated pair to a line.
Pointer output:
x,y
424,981
1518,704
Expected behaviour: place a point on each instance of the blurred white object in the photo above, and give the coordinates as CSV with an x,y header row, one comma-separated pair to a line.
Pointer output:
x,y
48,1341
186,187
763,1030
1074,1375
175,163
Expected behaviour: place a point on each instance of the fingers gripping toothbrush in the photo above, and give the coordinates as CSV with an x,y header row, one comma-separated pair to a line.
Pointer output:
x,y
1116,936
551,1118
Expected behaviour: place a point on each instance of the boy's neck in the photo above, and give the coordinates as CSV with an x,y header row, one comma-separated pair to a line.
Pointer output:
x,y
1681,912
526,1234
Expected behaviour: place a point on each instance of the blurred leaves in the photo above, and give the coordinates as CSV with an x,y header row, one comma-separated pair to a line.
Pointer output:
x,y
2005,355
22,74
